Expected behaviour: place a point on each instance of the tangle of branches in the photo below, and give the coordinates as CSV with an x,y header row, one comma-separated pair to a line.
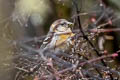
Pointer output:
x,y
84,62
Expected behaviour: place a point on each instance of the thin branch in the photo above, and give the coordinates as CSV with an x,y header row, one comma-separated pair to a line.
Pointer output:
x,y
105,30
99,58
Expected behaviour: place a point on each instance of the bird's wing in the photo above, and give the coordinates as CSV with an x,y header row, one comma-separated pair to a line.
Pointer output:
x,y
47,40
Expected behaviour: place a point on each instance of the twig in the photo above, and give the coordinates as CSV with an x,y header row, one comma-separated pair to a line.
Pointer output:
x,y
105,30
21,69
99,58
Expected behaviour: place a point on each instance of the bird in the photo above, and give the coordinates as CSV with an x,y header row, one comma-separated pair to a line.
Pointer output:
x,y
59,37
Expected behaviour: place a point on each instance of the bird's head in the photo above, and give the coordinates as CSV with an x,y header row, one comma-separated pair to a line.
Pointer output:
x,y
61,26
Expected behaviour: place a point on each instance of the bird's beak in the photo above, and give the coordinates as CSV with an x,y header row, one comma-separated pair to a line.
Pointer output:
x,y
70,24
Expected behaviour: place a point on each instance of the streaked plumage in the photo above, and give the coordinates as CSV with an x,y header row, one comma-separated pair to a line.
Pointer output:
x,y
59,36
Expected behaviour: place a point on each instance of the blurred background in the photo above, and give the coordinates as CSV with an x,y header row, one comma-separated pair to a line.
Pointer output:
x,y
24,19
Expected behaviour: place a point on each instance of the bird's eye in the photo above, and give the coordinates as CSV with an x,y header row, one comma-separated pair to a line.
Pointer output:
x,y
63,24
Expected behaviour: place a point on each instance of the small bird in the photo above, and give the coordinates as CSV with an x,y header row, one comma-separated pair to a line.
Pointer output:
x,y
59,36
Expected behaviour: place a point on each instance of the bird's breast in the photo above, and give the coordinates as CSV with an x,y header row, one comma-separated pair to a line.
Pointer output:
x,y
64,41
